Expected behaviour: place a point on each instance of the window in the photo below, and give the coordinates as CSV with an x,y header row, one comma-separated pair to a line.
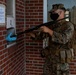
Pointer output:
x,y
11,22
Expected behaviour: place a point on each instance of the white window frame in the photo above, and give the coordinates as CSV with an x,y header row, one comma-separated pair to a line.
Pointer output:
x,y
45,11
14,15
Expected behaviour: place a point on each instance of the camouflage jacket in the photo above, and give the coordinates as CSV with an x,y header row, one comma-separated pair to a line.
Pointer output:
x,y
63,32
60,40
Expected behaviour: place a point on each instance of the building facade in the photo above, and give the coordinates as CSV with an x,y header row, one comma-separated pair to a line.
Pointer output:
x,y
23,58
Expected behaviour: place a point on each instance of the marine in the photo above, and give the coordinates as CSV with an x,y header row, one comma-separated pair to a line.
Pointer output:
x,y
57,46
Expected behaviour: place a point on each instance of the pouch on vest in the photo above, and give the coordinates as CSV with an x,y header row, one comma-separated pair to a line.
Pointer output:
x,y
66,55
62,56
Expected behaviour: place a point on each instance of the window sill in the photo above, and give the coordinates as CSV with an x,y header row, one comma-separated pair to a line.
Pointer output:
x,y
11,44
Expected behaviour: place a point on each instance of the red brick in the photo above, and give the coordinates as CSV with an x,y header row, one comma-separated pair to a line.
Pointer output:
x,y
0,33
2,28
12,59
1,47
2,37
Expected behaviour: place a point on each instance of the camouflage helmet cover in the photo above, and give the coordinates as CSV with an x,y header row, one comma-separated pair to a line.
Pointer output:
x,y
57,6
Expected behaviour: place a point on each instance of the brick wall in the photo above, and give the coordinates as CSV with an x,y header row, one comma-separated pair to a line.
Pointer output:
x,y
12,59
34,62
34,16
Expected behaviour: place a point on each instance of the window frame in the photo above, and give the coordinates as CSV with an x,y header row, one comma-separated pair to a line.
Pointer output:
x,y
45,11
14,15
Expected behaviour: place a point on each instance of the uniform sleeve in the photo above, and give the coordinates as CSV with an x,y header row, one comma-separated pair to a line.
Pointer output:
x,y
65,36
39,36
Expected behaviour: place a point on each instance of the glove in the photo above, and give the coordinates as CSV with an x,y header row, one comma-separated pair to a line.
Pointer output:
x,y
10,39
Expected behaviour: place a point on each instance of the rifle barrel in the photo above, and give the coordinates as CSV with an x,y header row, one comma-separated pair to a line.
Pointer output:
x,y
36,27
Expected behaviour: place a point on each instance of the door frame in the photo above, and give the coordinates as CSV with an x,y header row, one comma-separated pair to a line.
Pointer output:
x,y
45,11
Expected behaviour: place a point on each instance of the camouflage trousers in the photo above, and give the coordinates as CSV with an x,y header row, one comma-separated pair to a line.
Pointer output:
x,y
52,66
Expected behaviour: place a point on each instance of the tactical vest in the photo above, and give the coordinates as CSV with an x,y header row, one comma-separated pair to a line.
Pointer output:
x,y
64,51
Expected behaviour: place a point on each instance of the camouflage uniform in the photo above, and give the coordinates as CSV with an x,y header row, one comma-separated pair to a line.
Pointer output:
x,y
57,49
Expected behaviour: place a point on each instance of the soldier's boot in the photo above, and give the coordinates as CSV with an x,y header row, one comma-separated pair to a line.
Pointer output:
x,y
58,73
58,69
66,73
63,69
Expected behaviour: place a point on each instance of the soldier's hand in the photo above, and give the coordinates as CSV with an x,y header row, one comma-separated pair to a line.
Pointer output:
x,y
32,35
46,30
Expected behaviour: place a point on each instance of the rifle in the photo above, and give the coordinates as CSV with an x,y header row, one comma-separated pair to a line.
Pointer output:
x,y
34,28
